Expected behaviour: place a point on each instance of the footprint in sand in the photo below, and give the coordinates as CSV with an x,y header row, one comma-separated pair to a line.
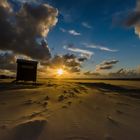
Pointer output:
x,y
61,98
47,98
45,104
69,103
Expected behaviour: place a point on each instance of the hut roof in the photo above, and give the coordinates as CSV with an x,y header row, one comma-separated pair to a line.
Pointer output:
x,y
26,61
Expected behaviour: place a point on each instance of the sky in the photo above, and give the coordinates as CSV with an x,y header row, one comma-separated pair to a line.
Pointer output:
x,y
99,15
102,34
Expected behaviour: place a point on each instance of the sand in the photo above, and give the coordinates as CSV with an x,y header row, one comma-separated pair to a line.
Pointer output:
x,y
70,110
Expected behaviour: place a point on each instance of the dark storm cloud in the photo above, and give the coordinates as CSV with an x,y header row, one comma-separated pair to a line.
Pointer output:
x,y
7,61
106,65
18,30
133,19
68,62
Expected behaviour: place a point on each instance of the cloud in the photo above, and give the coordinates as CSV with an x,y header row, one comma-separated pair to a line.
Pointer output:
x,y
68,62
28,1
86,25
89,73
133,19
62,30
106,65
18,30
71,32
84,53
121,73
82,59
102,48
6,72
7,61
126,73
5,5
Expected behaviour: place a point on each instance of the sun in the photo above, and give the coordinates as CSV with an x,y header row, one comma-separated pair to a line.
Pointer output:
x,y
60,72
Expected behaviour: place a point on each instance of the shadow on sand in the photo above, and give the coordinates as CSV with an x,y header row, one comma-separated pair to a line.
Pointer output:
x,y
27,131
104,87
19,85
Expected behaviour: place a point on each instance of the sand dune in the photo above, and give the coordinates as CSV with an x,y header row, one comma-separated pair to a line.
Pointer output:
x,y
69,110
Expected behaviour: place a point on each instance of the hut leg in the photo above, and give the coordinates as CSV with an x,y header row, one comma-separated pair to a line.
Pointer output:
x,y
14,81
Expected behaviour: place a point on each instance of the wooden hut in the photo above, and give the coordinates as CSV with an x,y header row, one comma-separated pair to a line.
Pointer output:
x,y
26,70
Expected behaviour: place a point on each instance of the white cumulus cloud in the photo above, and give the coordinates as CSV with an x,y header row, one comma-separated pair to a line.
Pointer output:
x,y
86,25
99,47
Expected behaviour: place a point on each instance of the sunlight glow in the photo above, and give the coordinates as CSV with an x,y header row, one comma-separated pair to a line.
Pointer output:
x,y
60,72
